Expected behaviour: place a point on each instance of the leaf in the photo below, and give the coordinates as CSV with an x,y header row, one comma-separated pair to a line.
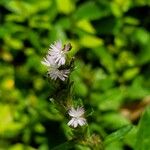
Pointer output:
x,y
66,146
19,7
80,89
130,73
86,26
130,138
119,134
14,43
111,99
35,22
108,121
144,55
90,41
137,89
141,37
65,6
20,146
143,134
88,11
105,57
118,7
64,22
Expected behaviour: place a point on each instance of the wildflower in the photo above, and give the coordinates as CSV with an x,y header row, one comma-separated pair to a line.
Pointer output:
x,y
54,59
58,53
77,117
49,62
55,73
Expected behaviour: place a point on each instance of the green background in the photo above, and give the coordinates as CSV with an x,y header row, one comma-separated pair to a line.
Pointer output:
x,y
111,43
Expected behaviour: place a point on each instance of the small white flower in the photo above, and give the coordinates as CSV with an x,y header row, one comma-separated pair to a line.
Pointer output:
x,y
77,117
54,59
49,62
57,53
53,70
55,73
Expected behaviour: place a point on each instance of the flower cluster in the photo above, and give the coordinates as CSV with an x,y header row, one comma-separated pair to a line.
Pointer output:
x,y
77,117
55,58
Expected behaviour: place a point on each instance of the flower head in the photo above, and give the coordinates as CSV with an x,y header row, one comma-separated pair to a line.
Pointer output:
x,y
77,117
57,53
53,69
55,73
49,62
55,58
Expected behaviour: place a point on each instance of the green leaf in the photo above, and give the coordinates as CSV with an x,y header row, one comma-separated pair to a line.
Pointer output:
x,y
130,73
105,58
88,11
14,43
117,145
111,99
118,135
85,25
144,55
143,134
130,138
65,6
35,22
108,120
80,89
20,146
34,38
66,146
90,41
137,90
120,6
141,36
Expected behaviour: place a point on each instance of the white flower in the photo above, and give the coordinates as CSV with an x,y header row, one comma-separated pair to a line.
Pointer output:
x,y
54,59
49,62
77,117
55,73
57,53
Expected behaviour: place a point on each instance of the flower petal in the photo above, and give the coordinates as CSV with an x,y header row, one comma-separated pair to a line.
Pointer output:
x,y
81,121
71,121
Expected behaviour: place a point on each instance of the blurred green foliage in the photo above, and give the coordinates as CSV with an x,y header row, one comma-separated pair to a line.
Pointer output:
x,y
111,42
